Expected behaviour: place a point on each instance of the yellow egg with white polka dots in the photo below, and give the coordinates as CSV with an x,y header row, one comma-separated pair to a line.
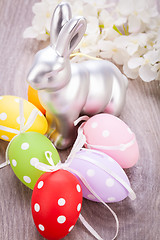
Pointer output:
x,y
10,119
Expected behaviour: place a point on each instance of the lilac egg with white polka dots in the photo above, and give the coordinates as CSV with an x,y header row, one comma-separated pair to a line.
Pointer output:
x,y
109,134
104,175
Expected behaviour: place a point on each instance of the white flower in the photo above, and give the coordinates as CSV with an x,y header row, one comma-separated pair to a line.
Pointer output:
x,y
138,12
146,65
132,43
130,73
41,22
110,50
99,5
88,44
77,8
106,21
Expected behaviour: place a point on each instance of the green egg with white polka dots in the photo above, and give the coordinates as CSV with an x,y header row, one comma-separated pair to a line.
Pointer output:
x,y
26,151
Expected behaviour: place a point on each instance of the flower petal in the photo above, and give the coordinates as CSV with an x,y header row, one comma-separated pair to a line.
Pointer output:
x,y
146,73
132,48
153,56
135,62
29,33
125,7
130,73
134,24
119,56
106,48
120,21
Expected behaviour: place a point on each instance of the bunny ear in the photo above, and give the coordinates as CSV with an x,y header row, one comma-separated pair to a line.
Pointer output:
x,y
70,36
62,14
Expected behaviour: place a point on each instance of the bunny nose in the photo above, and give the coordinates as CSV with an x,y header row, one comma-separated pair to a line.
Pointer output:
x,y
33,78
36,76
30,77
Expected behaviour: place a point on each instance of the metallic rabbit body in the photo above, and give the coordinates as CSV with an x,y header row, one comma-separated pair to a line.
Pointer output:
x,y
68,90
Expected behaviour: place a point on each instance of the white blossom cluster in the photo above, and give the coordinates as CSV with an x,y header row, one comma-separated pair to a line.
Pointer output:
x,y
125,31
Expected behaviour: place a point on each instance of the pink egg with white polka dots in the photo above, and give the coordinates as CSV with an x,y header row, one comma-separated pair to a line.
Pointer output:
x,y
112,136
56,204
103,174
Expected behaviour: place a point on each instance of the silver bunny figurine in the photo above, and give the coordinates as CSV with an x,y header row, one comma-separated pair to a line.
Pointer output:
x,y
68,90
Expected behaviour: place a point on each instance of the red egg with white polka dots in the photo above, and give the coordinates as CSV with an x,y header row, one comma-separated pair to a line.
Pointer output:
x,y
56,204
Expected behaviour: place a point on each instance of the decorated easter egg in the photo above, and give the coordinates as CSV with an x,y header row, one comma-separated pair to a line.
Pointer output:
x,y
112,136
34,99
56,204
97,169
25,151
10,117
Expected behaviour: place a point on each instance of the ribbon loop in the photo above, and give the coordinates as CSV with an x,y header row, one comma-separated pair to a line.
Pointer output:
x,y
23,127
31,119
90,229
48,156
80,141
83,118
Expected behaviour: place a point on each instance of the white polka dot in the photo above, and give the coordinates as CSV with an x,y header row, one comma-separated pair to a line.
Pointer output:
x,y
94,125
33,161
105,133
78,188
40,184
17,100
25,146
61,202
90,196
79,207
90,172
3,116
36,207
41,227
1,97
111,199
5,137
27,179
14,162
110,182
70,229
61,219
18,120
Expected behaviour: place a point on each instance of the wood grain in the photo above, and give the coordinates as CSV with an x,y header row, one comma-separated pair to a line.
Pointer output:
x,y
139,219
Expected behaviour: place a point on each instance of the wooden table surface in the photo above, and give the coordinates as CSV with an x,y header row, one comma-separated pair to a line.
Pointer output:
x,y
139,219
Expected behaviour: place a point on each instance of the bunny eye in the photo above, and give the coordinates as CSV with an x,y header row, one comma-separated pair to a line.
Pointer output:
x,y
50,79
51,75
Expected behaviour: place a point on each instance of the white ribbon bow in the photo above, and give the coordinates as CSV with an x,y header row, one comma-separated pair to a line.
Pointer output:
x,y
66,166
23,127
